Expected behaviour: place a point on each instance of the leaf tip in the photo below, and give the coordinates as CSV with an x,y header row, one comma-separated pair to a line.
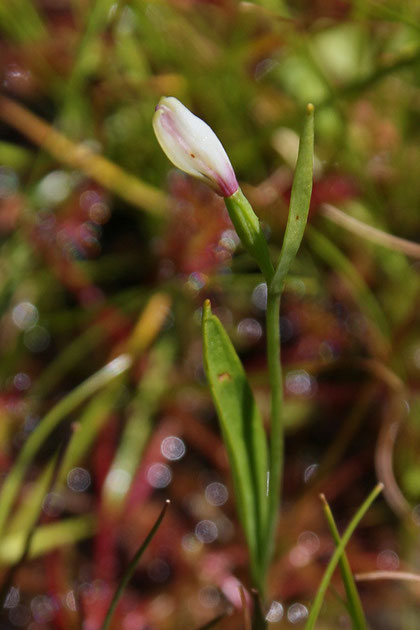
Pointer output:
x,y
310,108
206,308
323,499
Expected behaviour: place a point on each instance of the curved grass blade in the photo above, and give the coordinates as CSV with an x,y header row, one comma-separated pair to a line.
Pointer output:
x,y
243,434
50,476
354,604
90,422
139,425
78,395
132,566
79,157
299,202
335,558
46,538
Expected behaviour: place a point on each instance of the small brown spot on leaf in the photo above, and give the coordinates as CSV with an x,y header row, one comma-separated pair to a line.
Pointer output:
x,y
297,217
192,155
224,376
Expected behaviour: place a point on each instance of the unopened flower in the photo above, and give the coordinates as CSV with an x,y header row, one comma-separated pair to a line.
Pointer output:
x,y
192,146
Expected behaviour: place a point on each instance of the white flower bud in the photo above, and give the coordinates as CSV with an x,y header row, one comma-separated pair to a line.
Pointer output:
x,y
192,146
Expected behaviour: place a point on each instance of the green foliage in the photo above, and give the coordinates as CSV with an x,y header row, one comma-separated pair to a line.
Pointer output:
x,y
93,71
299,203
335,558
60,412
243,433
353,600
139,424
129,571
47,538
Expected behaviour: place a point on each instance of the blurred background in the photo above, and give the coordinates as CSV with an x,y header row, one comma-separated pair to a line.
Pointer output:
x,y
107,254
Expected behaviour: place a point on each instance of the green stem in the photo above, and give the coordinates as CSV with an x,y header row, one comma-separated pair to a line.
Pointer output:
x,y
355,606
258,618
319,598
248,228
131,568
277,429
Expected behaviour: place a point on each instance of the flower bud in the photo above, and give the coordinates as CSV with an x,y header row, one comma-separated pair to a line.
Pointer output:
x,y
192,146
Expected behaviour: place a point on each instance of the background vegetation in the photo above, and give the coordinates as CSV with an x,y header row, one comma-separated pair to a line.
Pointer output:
x,y
107,251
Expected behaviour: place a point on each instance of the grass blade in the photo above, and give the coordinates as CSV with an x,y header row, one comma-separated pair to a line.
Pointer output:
x,y
89,423
46,538
319,598
53,418
77,156
139,425
299,202
243,433
355,606
50,476
132,566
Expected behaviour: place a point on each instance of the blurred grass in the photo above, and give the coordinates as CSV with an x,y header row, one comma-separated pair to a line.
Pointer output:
x,y
78,160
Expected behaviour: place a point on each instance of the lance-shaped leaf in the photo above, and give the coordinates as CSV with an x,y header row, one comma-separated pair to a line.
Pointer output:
x,y
299,202
242,430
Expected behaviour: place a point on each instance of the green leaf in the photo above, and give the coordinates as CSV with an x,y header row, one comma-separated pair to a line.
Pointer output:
x,y
129,571
139,424
299,202
335,558
46,538
242,430
354,604
28,510
90,421
54,417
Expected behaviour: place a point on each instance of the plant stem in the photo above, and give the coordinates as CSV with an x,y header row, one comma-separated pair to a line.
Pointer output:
x,y
128,573
277,430
258,618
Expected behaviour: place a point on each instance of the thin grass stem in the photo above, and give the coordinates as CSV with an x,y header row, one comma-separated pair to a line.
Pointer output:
x,y
128,573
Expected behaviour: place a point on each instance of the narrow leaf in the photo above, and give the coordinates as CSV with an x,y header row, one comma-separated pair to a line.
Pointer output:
x,y
139,425
319,598
242,430
355,607
57,414
46,538
132,567
90,421
299,202
52,470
